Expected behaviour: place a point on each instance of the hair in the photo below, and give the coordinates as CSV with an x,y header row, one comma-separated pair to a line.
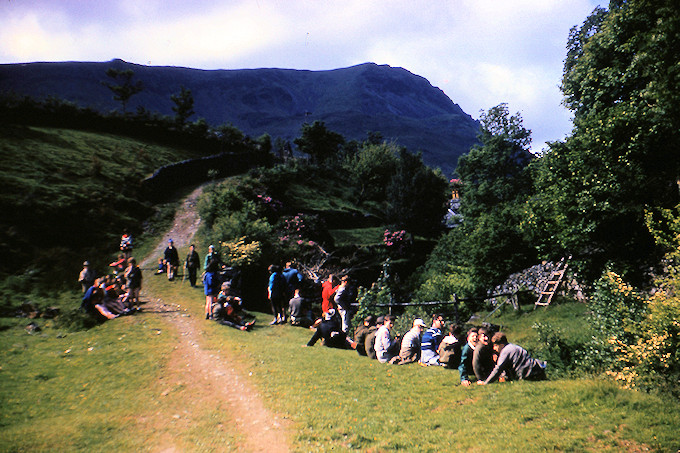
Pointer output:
x,y
499,338
274,268
345,278
484,330
132,261
388,318
370,320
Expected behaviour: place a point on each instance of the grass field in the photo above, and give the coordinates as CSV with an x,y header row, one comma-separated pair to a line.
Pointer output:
x,y
97,389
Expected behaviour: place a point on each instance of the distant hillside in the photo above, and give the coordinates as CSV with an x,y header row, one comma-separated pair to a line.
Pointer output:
x,y
353,101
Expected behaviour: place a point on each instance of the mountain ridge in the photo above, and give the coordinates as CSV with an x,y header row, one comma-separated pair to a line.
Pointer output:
x,y
353,101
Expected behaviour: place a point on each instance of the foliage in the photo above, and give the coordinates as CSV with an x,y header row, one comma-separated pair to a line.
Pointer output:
x,y
617,308
239,253
318,142
380,293
397,242
416,196
184,106
621,81
370,169
123,88
496,183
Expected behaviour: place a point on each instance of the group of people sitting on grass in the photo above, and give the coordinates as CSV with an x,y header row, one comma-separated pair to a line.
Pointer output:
x,y
483,355
114,294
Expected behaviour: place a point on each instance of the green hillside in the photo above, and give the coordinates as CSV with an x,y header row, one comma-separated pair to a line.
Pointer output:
x,y
67,195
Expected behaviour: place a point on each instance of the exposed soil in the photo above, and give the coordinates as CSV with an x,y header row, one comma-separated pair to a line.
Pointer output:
x,y
210,377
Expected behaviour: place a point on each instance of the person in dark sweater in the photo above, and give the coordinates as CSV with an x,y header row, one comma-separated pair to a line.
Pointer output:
x,y
466,354
331,333
482,359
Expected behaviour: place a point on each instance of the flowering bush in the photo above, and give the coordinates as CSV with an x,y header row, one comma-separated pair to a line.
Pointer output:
x,y
616,311
396,241
240,253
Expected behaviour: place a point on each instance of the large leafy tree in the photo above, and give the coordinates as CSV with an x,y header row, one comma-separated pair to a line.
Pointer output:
x,y
496,185
319,142
622,81
416,195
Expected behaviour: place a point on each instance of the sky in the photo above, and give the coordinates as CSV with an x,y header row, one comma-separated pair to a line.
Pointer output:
x,y
479,52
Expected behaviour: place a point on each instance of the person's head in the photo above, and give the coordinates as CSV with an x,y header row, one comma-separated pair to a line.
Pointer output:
x,y
388,321
86,264
472,336
170,243
369,321
225,286
344,280
211,248
131,261
419,323
499,340
438,321
192,247
291,265
483,336
273,268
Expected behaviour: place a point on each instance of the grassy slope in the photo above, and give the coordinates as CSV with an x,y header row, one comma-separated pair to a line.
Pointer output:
x,y
107,385
70,190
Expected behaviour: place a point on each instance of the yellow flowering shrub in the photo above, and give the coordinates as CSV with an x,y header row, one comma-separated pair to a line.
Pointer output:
x,y
240,253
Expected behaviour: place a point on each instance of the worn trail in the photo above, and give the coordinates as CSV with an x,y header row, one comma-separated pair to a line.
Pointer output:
x,y
210,377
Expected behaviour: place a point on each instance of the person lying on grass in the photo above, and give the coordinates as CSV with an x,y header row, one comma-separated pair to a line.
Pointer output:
x,y
330,332
514,361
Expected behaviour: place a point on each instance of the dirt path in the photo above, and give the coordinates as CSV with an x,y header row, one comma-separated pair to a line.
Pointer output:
x,y
212,380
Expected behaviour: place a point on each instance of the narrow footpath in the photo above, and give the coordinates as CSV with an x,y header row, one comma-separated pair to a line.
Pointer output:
x,y
210,377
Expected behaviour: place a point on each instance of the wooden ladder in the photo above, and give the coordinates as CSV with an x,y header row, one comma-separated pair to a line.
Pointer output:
x,y
550,288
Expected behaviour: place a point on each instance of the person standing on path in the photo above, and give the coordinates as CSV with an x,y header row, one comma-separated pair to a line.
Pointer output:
x,y
191,264
171,259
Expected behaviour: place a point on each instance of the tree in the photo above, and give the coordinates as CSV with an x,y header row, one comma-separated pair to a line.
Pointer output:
x,y
496,183
184,106
318,142
125,88
371,169
416,195
622,81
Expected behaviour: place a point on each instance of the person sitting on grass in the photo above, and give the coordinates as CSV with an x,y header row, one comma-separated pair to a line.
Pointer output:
x,y
466,354
430,342
119,265
330,332
410,344
370,338
362,332
386,347
450,347
300,314
482,359
92,303
161,267
514,361
224,311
